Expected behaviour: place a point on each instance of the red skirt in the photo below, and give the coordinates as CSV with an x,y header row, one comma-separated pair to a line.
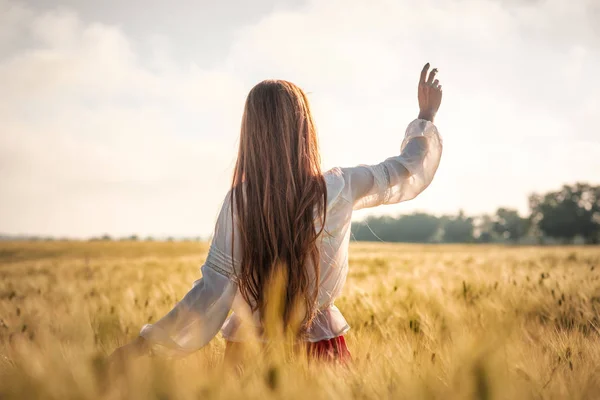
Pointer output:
x,y
329,350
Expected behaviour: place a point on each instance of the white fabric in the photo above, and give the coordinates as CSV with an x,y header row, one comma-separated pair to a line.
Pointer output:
x,y
196,319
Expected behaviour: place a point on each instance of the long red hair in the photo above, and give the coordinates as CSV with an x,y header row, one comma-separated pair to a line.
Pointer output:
x,y
278,194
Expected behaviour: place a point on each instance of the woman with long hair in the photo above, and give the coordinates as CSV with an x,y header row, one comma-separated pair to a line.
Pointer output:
x,y
279,253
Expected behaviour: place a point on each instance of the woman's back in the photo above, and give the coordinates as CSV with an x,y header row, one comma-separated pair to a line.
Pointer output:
x,y
203,311
284,218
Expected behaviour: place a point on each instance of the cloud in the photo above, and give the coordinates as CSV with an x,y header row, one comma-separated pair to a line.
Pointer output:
x,y
100,136
519,82
93,140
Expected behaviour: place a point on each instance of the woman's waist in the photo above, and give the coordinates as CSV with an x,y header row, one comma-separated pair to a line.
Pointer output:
x,y
328,323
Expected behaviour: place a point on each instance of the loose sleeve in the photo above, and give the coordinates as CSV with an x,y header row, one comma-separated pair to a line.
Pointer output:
x,y
399,178
197,318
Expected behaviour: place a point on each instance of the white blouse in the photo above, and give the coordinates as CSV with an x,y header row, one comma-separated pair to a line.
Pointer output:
x,y
197,318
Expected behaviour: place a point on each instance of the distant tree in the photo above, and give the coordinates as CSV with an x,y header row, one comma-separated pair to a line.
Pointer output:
x,y
375,229
510,225
458,229
418,227
483,228
106,237
133,238
412,228
572,211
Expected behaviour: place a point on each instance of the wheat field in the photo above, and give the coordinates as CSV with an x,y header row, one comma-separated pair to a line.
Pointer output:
x,y
428,321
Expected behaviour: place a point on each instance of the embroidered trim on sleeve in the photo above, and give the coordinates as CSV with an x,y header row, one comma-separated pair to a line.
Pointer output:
x,y
220,262
381,174
386,173
218,269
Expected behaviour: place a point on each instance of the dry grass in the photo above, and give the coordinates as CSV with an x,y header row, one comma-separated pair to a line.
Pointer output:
x,y
451,322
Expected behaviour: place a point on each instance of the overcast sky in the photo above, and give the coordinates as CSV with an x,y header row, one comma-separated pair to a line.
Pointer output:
x,y
122,117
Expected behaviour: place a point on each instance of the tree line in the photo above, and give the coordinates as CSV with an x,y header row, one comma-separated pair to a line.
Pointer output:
x,y
568,215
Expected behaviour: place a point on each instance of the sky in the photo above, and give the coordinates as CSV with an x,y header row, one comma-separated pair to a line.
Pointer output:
x,y
123,117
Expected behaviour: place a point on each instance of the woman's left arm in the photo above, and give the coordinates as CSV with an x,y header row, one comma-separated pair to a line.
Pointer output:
x,y
197,318
191,324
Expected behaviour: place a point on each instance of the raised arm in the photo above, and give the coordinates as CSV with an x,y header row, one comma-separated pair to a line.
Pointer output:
x,y
404,176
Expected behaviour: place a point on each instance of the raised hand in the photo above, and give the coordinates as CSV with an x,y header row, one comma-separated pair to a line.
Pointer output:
x,y
430,94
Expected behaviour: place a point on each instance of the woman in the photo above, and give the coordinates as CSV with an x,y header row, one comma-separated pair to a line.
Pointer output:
x,y
284,219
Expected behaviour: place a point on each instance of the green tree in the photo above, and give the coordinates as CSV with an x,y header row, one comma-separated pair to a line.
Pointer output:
x,y
412,228
458,229
510,225
484,229
569,212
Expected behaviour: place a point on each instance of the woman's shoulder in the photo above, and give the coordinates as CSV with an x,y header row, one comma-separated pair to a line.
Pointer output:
x,y
334,180
333,174
334,177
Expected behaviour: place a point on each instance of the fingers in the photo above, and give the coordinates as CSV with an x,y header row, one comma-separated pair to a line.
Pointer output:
x,y
432,76
424,73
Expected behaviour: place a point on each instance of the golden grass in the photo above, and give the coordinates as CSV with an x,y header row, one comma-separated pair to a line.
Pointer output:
x,y
428,321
